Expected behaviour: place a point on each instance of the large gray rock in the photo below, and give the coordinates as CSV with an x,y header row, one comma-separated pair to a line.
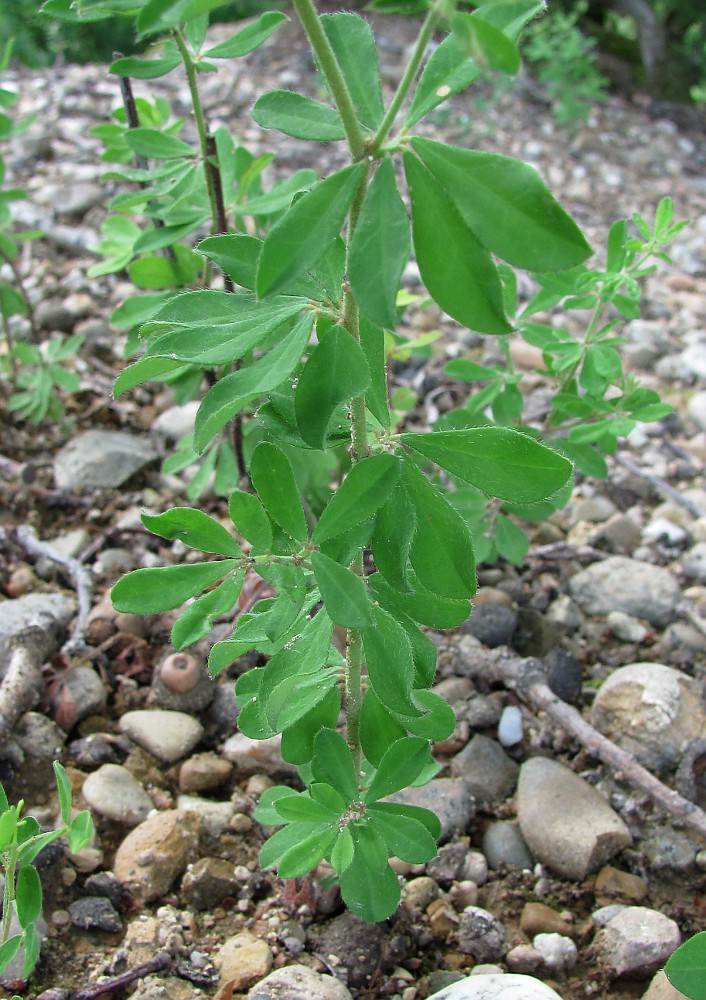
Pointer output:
x,y
567,824
652,711
637,942
497,987
622,584
101,460
294,982
54,610
487,770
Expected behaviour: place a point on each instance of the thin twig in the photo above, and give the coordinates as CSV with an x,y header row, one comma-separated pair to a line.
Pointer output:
x,y
660,486
526,679
80,577
159,963
565,550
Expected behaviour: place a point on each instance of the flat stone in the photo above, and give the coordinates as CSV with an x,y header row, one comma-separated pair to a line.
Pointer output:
x,y
614,884
242,961
637,942
566,823
203,772
95,913
294,982
652,711
507,986
101,460
490,774
156,852
44,610
207,883
112,792
448,798
169,736
622,584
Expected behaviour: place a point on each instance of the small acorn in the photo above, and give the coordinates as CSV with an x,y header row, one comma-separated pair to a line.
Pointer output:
x,y
182,684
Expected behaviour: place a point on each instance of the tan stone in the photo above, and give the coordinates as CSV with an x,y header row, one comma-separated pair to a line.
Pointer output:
x,y
613,884
156,852
243,960
538,918
661,989
203,772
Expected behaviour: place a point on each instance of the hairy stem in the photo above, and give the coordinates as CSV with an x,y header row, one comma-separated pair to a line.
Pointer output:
x,y
309,18
415,61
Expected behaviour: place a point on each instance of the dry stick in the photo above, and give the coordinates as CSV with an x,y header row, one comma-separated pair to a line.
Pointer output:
x,y
21,686
80,577
661,486
159,963
526,679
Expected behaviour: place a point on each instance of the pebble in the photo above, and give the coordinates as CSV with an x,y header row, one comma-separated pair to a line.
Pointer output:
x,y
625,627
510,726
696,409
652,711
77,199
95,913
448,864
559,953
169,736
252,757
482,712
506,986
566,823
661,989
612,883
492,624
207,883
666,849
242,961
204,772
294,982
523,958
39,737
115,794
105,884
564,676
637,942
156,852
538,918
215,816
355,944
182,683
101,460
419,892
166,988
448,798
43,610
565,613
622,584
503,844
482,935
490,774
81,693
694,563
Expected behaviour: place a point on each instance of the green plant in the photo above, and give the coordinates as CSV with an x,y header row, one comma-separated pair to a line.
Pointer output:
x,y
21,840
38,371
686,968
303,278
564,61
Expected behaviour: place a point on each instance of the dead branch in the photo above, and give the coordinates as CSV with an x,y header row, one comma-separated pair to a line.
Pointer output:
x,y
159,963
80,577
565,550
524,676
22,684
661,486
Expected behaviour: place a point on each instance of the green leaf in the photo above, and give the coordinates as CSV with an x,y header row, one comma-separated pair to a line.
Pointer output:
x,y
8,950
302,808
193,528
298,116
149,591
250,518
438,720
336,371
456,268
513,544
372,342
228,396
197,620
378,729
365,488
370,891
686,968
380,248
344,594
388,655
283,840
209,328
249,38
402,762
421,605
395,525
265,811
145,69
301,237
298,740
405,837
4,804
32,947
28,898
161,15
155,145
332,764
308,852
343,849
441,551
63,786
428,819
354,46
489,47
80,831
273,478
236,254
154,272
497,460
506,205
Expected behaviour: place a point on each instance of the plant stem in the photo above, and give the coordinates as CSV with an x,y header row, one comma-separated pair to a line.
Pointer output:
x,y
308,15
201,126
353,688
427,30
